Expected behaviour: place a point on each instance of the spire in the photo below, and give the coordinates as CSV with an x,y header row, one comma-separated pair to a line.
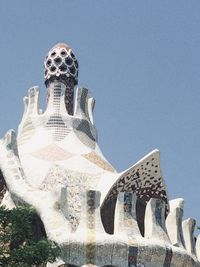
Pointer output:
x,y
61,65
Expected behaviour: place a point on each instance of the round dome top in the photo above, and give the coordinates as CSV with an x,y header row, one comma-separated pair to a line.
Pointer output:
x,y
61,64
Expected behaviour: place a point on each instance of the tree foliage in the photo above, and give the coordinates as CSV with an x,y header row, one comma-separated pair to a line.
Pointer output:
x,y
19,246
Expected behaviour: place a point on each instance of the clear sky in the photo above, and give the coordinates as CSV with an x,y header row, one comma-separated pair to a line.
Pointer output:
x,y
141,61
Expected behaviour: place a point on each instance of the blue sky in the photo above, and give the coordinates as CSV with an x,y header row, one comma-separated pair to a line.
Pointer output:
x,y
141,61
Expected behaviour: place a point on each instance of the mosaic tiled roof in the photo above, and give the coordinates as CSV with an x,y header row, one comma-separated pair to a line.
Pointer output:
x,y
98,217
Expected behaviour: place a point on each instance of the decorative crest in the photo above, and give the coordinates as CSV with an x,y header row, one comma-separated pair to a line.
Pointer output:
x,y
61,65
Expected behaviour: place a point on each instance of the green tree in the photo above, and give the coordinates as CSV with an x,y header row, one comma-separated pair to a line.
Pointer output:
x,y
21,245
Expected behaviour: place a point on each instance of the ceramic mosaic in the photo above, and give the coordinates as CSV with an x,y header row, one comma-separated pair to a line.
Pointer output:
x,y
97,216
52,153
61,64
96,159
145,179
76,183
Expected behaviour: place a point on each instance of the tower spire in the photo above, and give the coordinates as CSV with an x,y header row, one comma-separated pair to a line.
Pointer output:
x,y
61,65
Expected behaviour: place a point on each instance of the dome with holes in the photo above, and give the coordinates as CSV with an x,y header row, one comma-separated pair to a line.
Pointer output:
x,y
61,64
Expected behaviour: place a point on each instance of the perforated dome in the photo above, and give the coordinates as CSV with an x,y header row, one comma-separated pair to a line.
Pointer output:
x,y
61,64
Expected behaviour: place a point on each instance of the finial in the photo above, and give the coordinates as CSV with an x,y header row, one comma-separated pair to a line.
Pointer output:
x,y
61,65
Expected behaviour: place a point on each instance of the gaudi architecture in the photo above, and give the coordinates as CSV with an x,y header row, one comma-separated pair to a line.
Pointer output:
x,y
99,217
